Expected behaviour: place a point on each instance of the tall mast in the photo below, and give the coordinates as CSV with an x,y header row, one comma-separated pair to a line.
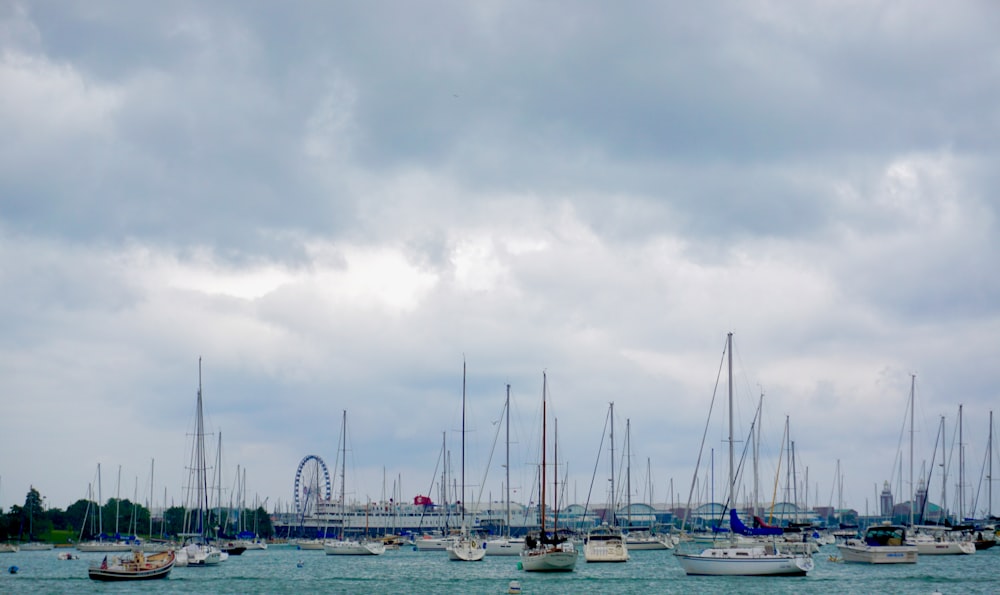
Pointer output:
x,y
628,470
343,468
463,445
100,504
152,467
507,423
613,508
756,455
913,382
944,472
961,469
542,508
989,471
732,475
555,478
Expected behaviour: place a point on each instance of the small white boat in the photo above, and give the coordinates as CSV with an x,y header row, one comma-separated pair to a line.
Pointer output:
x,y
940,544
643,540
467,549
882,544
431,543
754,560
8,548
351,547
106,546
605,544
549,557
199,554
504,546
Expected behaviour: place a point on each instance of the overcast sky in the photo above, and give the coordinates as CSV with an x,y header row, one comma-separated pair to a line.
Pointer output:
x,y
336,204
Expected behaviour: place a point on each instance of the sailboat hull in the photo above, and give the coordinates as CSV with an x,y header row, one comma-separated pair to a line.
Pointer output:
x,y
467,550
354,548
738,562
504,547
549,560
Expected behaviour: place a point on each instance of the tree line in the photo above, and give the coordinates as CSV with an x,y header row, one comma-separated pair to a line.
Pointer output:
x,y
85,520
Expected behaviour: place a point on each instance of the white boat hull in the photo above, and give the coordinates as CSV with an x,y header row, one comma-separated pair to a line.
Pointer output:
x,y
467,550
433,544
743,561
654,542
946,548
549,560
886,554
104,546
605,551
504,547
354,548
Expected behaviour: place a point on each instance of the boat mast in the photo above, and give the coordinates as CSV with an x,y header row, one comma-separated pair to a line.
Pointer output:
x,y
542,507
944,472
555,479
507,423
613,508
961,469
732,475
628,470
343,467
989,471
756,450
100,505
152,467
913,382
463,447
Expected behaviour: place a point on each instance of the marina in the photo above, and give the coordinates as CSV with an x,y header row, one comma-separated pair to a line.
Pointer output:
x,y
282,568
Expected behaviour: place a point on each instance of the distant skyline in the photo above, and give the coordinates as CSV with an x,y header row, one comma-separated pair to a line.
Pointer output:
x,y
336,205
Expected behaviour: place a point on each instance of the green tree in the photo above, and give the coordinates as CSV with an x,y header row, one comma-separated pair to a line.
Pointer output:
x,y
174,520
33,519
264,527
77,513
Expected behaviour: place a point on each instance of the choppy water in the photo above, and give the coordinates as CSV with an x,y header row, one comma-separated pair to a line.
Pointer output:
x,y
405,571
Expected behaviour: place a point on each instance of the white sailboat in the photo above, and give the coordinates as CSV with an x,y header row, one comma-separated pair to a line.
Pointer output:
x,y
734,559
344,546
505,545
542,552
198,550
605,542
881,544
468,547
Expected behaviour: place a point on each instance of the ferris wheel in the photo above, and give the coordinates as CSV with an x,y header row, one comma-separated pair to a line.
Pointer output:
x,y
312,482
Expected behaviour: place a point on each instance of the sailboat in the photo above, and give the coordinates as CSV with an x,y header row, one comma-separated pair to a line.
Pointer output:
x,y
605,542
198,550
542,552
103,543
467,548
941,540
643,539
505,545
757,559
344,546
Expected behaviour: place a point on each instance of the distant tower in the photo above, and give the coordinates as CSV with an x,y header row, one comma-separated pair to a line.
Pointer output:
x,y
919,500
886,501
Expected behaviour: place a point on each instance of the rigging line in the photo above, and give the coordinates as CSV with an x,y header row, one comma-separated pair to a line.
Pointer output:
x,y
597,462
489,459
701,449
